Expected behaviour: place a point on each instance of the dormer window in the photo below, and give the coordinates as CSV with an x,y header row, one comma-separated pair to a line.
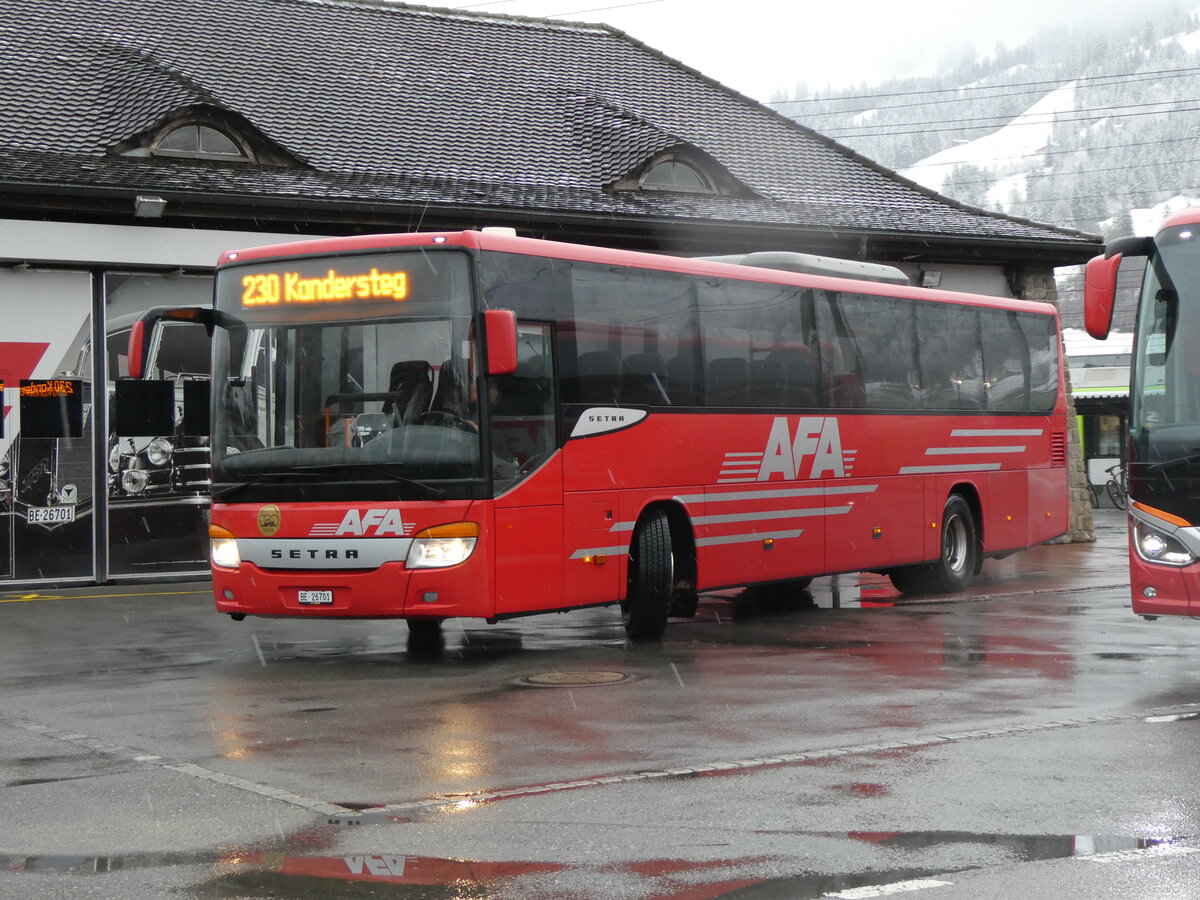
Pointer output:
x,y
199,142
682,169
676,175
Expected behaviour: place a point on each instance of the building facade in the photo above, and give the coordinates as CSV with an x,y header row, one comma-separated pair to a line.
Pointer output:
x,y
143,139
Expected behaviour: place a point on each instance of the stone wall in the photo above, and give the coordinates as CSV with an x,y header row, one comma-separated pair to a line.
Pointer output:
x,y
1038,284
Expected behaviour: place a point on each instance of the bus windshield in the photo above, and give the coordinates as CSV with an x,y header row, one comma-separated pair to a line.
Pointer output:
x,y
1164,424
354,369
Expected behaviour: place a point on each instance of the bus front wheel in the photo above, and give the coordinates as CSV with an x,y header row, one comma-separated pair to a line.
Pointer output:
x,y
957,560
651,578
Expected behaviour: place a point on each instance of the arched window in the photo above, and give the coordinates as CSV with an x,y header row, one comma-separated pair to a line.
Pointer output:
x,y
675,175
199,141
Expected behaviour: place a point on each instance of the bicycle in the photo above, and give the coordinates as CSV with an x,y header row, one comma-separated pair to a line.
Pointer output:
x,y
1115,486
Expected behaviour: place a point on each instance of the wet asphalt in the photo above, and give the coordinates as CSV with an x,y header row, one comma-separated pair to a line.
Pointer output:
x,y
1030,736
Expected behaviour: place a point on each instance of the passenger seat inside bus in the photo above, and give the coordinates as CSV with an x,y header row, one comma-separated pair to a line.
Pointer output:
x,y
411,380
786,377
597,380
643,380
728,382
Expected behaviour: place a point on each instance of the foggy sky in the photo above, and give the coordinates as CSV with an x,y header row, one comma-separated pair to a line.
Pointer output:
x,y
762,47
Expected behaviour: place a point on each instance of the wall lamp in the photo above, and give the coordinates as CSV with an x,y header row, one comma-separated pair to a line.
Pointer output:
x,y
148,206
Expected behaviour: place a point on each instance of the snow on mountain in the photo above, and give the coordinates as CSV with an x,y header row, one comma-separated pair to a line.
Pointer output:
x,y
1146,221
1007,153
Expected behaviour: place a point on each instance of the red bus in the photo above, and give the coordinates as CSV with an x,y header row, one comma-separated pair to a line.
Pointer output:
x,y
427,426
1163,447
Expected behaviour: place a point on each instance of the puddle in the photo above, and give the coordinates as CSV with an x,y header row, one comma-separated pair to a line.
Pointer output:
x,y
291,872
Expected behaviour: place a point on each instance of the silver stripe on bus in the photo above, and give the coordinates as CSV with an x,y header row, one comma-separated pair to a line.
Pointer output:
x,y
601,551
997,432
962,467
772,514
747,538
361,553
776,493
954,451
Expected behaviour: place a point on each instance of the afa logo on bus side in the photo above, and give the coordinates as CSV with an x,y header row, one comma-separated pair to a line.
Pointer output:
x,y
813,449
816,437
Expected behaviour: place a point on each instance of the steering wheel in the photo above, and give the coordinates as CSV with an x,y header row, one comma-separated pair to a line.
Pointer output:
x,y
444,415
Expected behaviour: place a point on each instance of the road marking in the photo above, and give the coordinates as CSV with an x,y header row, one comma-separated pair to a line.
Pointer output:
x,y
1160,850
339,815
887,890
25,598
182,767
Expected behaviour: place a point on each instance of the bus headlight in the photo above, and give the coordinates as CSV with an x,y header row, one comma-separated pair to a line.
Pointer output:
x,y
1155,547
114,459
223,548
134,481
159,452
442,545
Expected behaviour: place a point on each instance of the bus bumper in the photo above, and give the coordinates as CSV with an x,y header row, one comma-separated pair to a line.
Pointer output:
x,y
1159,589
391,591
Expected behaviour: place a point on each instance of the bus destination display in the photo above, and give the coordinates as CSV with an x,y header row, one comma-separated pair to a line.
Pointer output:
x,y
293,288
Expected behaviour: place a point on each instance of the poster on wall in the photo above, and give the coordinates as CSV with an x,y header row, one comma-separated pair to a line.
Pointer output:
x,y
157,451
46,479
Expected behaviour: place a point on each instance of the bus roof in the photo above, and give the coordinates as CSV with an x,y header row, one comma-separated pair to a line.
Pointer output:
x,y
726,267
1188,216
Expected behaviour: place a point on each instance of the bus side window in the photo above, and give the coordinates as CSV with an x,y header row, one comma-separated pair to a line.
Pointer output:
x,y
597,379
683,385
951,358
643,380
786,376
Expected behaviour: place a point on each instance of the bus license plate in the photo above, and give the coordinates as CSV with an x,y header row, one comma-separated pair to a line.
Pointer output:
x,y
315,598
46,514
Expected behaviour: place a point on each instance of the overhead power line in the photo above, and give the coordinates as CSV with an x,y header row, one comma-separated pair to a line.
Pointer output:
x,y
1118,80
1008,123
984,87
1042,175
1046,118
1189,139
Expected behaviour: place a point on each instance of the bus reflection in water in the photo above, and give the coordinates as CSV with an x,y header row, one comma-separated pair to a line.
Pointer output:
x,y
625,428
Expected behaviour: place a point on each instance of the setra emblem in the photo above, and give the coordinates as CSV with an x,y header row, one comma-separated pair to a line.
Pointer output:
x,y
269,519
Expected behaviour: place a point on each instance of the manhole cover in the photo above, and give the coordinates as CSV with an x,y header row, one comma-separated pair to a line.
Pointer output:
x,y
574,679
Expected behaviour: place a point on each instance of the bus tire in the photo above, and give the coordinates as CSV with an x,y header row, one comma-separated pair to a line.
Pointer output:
x,y
957,559
651,579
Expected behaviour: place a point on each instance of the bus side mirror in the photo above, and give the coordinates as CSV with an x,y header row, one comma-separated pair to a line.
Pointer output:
x,y
139,335
1100,294
137,349
500,331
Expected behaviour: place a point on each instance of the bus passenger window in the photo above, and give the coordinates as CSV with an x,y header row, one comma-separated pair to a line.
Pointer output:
x,y
728,382
643,380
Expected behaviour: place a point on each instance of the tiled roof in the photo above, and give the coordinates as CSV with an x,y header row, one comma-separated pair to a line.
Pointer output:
x,y
386,102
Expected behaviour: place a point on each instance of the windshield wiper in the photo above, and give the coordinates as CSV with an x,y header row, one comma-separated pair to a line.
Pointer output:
x,y
1174,461
430,492
266,477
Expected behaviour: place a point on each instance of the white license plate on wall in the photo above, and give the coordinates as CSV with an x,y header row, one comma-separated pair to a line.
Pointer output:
x,y
43,515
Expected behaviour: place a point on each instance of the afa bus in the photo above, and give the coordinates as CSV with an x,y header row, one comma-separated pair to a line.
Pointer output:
x,y
1163,448
426,426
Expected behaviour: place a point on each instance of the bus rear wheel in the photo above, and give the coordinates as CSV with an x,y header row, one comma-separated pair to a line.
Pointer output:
x,y
957,560
651,578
